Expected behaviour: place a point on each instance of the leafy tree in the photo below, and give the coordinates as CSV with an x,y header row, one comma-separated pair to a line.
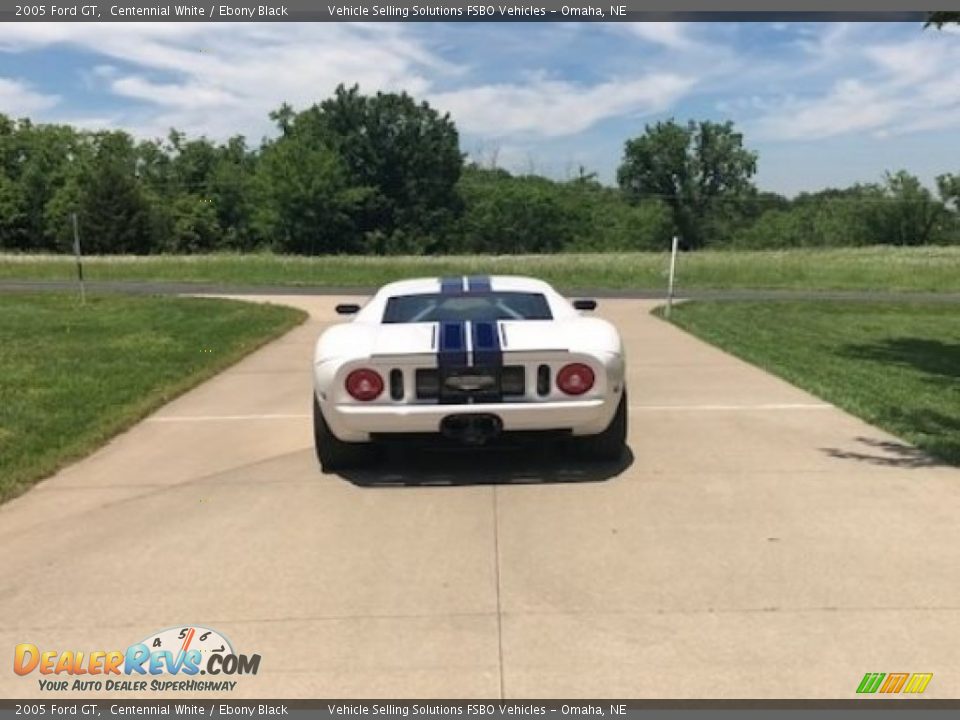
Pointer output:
x,y
13,215
192,162
912,216
204,189
114,212
506,214
528,214
283,116
948,186
827,223
406,151
304,200
38,159
59,210
939,19
231,193
607,223
899,211
383,174
8,154
697,169
193,226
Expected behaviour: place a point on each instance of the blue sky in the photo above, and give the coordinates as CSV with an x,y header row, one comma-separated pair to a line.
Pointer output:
x,y
823,104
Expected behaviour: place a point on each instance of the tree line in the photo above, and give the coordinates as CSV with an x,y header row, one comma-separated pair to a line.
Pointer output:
x,y
384,174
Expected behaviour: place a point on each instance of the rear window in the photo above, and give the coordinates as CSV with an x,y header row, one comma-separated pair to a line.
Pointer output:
x,y
473,307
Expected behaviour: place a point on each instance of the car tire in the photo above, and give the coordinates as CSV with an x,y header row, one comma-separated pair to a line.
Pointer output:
x,y
335,454
608,445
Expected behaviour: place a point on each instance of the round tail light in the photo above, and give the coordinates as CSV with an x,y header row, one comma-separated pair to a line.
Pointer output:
x,y
364,384
575,379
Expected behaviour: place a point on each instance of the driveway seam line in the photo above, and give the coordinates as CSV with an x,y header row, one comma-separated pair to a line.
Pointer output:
x,y
496,564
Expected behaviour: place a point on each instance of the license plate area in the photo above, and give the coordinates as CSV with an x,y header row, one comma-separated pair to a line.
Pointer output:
x,y
470,384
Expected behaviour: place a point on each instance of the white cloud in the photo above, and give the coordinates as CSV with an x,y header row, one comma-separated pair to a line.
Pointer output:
x,y
552,108
874,85
18,99
827,42
186,96
670,34
908,62
850,106
220,79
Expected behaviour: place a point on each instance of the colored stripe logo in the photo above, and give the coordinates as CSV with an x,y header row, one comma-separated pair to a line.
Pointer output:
x,y
918,683
894,683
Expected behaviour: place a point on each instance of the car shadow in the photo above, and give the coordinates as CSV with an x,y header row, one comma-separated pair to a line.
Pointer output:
x,y
533,465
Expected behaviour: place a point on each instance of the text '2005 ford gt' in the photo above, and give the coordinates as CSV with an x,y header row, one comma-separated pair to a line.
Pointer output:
x,y
469,360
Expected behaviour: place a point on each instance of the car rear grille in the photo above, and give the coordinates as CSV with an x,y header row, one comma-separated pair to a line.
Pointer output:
x,y
462,385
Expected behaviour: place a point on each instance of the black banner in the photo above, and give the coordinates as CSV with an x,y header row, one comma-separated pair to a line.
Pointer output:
x,y
630,709
458,11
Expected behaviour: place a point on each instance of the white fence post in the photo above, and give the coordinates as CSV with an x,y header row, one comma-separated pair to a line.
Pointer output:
x,y
673,270
77,255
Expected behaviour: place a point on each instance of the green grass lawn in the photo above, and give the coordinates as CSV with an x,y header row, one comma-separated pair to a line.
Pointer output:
x,y
72,376
929,269
896,365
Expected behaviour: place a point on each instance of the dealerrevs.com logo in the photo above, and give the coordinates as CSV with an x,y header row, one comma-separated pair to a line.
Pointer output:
x,y
170,660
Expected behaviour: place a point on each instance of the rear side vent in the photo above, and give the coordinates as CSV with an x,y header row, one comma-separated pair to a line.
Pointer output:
x,y
427,384
396,384
513,381
543,380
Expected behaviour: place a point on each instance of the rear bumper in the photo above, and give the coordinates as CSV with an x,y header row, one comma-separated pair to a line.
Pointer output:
x,y
356,423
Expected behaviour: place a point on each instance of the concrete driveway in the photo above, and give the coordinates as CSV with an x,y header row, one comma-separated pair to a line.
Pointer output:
x,y
758,543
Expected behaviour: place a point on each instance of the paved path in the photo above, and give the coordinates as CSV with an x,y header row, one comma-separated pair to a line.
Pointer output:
x,y
759,543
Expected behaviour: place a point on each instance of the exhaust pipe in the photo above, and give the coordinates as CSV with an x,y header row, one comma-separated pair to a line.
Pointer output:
x,y
471,429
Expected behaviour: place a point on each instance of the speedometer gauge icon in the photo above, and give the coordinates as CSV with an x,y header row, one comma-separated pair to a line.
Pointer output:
x,y
179,640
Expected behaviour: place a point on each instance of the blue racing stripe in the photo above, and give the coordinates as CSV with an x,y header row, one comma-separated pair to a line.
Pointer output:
x,y
478,283
453,345
451,286
486,345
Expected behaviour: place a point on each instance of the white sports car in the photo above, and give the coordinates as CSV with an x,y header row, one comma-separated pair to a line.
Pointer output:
x,y
468,360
